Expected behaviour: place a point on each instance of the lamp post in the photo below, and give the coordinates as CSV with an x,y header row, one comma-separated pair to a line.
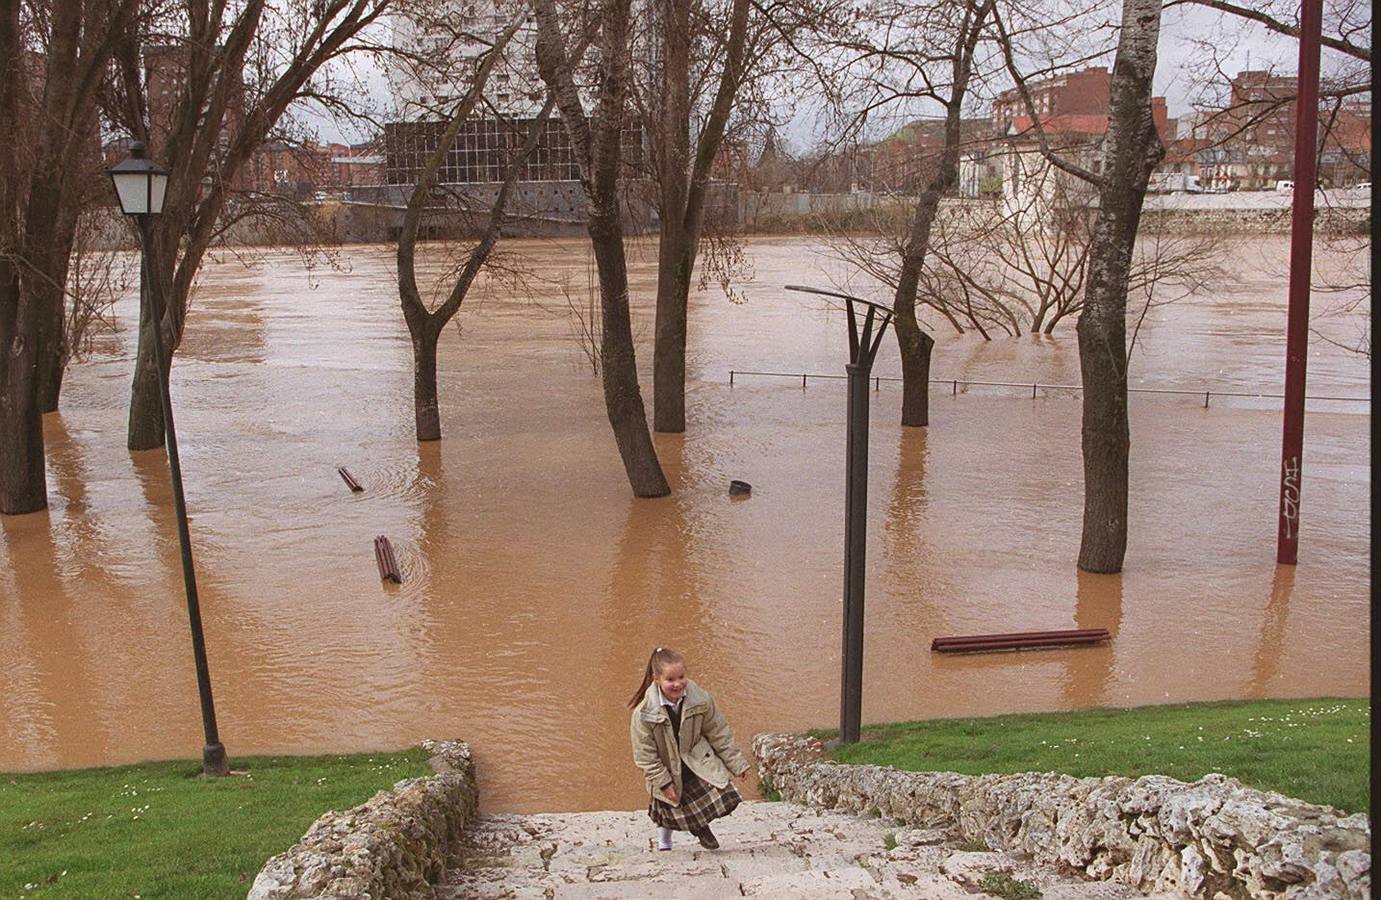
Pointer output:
x,y
863,348
141,185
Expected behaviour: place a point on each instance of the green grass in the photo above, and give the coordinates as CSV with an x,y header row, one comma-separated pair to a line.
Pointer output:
x,y
1317,750
157,830
1000,884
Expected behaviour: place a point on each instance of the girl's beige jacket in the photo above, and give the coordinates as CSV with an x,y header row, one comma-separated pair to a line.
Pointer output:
x,y
706,745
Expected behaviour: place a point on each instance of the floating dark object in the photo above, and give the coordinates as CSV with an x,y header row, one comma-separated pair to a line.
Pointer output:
x,y
349,479
388,563
1019,640
739,488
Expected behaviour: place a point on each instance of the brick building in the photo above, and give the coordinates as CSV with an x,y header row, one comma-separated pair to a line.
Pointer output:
x,y
1073,113
1083,93
1249,144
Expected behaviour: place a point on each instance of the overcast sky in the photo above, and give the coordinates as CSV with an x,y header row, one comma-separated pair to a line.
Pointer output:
x,y
1237,46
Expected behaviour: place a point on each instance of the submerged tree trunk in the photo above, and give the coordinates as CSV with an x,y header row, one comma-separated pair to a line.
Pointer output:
x,y
426,408
1132,151
683,172
596,142
675,265
145,427
47,259
23,487
623,397
914,344
53,351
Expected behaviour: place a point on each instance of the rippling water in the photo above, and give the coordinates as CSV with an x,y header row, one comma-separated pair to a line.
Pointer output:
x,y
535,585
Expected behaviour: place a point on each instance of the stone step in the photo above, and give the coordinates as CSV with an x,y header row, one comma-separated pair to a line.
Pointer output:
x,y
766,850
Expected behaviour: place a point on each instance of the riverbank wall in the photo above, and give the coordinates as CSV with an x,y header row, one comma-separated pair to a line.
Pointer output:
x,y
1214,838
1240,214
556,209
393,845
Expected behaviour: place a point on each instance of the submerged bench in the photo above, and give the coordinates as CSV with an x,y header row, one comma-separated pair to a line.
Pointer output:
x,y
1019,640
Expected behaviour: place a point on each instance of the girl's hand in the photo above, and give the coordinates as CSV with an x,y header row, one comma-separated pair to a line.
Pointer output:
x,y
670,793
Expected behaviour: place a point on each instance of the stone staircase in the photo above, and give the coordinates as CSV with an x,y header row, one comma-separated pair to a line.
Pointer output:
x,y
766,850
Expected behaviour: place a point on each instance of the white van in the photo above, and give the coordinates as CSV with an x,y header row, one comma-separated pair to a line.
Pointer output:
x,y
1284,187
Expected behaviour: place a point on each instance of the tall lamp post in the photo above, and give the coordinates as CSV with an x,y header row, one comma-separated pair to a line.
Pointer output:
x,y
141,185
863,347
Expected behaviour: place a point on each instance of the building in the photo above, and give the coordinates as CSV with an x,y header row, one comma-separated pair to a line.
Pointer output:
x,y
1031,185
1073,113
427,95
165,80
354,165
1083,93
1249,144
452,40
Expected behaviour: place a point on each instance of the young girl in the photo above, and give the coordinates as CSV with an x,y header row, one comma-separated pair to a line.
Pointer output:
x,y
685,749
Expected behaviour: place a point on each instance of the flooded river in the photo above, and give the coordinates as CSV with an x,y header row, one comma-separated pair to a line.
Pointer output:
x,y
535,585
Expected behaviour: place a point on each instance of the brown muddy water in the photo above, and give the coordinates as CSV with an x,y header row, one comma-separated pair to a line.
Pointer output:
x,y
536,585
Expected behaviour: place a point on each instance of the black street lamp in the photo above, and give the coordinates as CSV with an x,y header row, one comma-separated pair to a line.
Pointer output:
x,y
141,184
863,348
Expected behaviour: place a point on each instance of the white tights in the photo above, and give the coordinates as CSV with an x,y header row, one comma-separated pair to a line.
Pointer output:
x,y
663,838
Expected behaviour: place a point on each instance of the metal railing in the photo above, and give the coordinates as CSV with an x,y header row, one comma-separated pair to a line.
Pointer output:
x,y
1037,386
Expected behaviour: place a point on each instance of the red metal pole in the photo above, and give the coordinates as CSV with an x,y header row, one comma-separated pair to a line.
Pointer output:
x,y
1301,259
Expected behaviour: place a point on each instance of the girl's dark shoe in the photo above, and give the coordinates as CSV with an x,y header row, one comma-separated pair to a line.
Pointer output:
x,y
707,839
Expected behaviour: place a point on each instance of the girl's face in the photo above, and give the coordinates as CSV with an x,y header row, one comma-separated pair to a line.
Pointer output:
x,y
671,681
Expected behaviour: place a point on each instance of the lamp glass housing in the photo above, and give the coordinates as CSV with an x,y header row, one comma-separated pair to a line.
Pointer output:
x,y
140,183
140,192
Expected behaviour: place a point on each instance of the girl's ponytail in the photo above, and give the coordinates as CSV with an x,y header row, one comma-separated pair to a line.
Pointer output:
x,y
661,656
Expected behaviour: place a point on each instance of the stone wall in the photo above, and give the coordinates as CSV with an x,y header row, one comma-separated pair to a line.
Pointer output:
x,y
1214,838
1330,220
391,846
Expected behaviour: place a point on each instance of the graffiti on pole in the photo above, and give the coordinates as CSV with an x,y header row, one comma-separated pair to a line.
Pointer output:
x,y
1289,496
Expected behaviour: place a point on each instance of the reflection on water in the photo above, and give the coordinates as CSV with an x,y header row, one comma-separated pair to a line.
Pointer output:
x,y
536,586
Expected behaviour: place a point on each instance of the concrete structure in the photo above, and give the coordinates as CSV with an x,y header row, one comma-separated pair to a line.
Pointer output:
x,y
396,844
446,40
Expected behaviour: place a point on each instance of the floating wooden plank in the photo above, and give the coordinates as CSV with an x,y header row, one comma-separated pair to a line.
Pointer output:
x,y
349,479
388,563
1019,640
739,488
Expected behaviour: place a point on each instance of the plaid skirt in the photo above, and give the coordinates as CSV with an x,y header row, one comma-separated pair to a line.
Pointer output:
x,y
701,804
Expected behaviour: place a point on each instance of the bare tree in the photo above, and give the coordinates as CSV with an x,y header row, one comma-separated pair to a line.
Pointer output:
x,y
1131,150
424,325
239,67
936,51
98,274
686,123
52,60
597,143
994,270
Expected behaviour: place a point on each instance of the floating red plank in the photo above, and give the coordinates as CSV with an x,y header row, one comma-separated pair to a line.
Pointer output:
x,y
388,563
349,479
1019,640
